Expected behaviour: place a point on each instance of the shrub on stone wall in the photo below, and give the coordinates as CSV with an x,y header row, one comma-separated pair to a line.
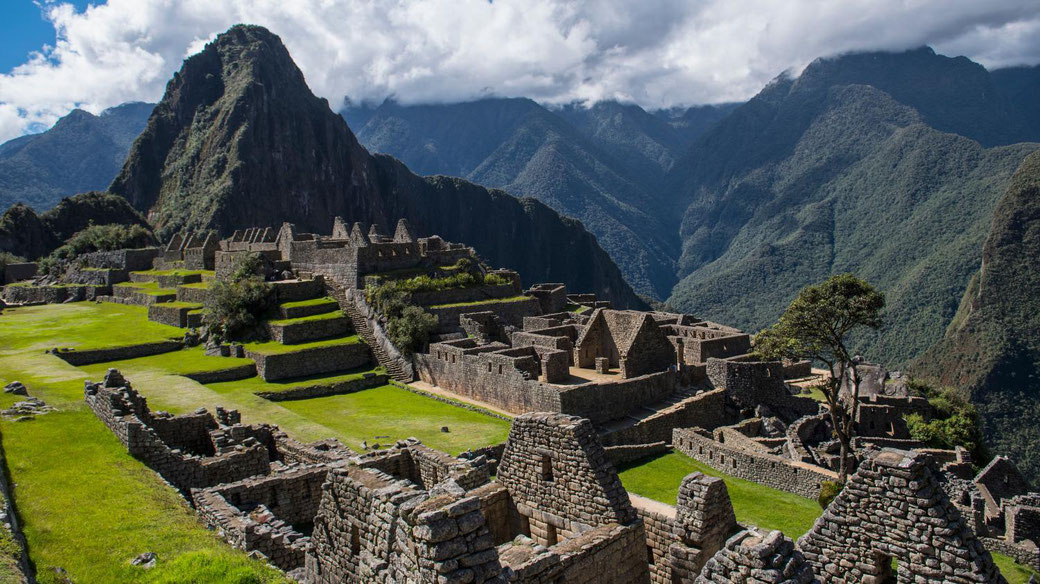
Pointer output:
x,y
96,238
955,421
7,257
410,331
233,307
390,295
828,491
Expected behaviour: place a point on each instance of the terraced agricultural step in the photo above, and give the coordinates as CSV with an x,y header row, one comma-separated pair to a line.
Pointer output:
x,y
274,363
309,328
306,308
296,290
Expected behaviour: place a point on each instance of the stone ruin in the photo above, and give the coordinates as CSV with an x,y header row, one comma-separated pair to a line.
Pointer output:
x,y
756,556
1000,507
894,508
556,512
346,256
189,250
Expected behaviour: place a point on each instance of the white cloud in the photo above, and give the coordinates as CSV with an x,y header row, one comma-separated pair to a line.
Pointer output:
x,y
657,53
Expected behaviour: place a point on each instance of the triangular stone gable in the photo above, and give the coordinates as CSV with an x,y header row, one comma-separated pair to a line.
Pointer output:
x,y
893,507
555,466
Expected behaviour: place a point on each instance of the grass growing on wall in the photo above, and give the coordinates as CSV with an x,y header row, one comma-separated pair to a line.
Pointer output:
x,y
182,362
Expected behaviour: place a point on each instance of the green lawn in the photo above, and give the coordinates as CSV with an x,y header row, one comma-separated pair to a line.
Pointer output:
x,y
480,302
659,479
84,325
399,413
182,362
255,384
323,316
274,347
88,507
311,302
177,272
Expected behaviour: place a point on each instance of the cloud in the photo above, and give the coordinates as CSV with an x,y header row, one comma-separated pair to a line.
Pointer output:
x,y
658,53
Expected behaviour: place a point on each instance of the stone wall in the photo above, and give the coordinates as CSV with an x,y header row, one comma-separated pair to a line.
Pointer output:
x,y
18,272
326,359
27,294
131,260
266,514
749,384
559,477
893,507
757,556
192,294
705,410
373,529
89,356
164,313
126,414
290,333
618,455
773,471
511,312
454,295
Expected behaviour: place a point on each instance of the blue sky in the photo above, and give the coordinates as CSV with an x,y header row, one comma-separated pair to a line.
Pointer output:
x,y
24,30
655,53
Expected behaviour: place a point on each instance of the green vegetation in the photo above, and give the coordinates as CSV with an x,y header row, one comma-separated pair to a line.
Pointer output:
x,y
98,238
86,505
257,384
177,272
82,325
410,331
828,491
388,297
817,326
322,316
274,347
234,306
486,301
182,362
955,421
659,478
398,413
7,257
89,508
150,288
1015,573
311,302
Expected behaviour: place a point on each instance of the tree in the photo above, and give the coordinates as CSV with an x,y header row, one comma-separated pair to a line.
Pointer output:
x,y
817,326
235,305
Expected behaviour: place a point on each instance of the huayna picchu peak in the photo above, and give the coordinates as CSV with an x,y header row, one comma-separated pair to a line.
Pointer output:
x,y
239,140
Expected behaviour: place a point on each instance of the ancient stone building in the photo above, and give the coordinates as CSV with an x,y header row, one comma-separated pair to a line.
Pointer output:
x,y
190,250
556,513
894,508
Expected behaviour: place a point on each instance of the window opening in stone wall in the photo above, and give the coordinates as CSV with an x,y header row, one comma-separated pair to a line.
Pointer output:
x,y
550,535
525,525
547,470
355,540
650,555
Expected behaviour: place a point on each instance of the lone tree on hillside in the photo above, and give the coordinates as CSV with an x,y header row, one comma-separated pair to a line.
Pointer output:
x,y
816,326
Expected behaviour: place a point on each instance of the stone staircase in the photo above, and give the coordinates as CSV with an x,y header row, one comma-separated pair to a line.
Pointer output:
x,y
392,365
